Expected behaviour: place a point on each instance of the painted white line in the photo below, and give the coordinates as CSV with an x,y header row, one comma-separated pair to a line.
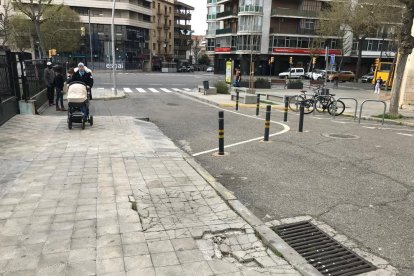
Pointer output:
x,y
176,89
154,90
406,134
166,90
127,90
141,90
369,127
187,89
101,88
236,144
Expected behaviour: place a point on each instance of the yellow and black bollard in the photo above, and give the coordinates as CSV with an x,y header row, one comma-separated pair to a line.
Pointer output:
x,y
267,123
221,133
237,99
257,104
285,115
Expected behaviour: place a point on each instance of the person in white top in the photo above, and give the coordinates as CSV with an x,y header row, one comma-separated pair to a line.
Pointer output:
x,y
378,84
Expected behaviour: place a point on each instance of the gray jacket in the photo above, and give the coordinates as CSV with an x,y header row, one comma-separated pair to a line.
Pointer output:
x,y
49,76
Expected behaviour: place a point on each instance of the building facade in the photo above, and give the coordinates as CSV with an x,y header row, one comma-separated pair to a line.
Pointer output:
x,y
182,31
245,30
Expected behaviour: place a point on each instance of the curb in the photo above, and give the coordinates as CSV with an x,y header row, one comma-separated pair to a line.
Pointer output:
x,y
269,238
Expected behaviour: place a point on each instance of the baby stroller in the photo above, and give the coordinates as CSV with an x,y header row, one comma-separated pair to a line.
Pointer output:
x,y
78,111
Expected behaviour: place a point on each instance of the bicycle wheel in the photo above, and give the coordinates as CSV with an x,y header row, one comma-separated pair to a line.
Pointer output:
x,y
294,102
322,104
339,109
308,106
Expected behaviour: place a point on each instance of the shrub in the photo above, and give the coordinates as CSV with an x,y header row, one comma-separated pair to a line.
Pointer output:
x,y
221,87
295,84
262,83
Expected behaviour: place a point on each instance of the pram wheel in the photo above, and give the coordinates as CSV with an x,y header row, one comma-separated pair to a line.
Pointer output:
x,y
91,120
83,123
70,123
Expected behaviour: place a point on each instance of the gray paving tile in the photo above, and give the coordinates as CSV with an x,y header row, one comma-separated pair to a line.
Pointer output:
x,y
164,259
160,246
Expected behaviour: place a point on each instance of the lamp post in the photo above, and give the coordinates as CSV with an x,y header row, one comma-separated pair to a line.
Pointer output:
x,y
113,48
90,38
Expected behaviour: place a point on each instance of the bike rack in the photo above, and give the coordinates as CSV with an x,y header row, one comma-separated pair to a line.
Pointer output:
x,y
377,101
356,106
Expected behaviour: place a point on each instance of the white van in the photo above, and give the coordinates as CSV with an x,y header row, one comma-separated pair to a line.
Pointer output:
x,y
295,73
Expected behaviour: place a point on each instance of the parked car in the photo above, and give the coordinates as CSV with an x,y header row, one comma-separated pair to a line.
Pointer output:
x,y
294,73
190,68
210,69
368,78
317,74
342,76
182,68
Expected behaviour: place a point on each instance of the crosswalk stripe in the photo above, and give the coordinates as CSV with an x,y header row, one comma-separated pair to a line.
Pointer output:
x,y
166,90
140,90
176,89
406,134
154,90
127,90
187,89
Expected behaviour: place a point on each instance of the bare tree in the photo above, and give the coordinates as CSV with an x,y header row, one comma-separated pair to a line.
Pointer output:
x,y
21,32
5,23
360,18
405,48
35,11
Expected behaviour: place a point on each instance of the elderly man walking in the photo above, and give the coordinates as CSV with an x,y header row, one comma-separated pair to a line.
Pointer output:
x,y
49,77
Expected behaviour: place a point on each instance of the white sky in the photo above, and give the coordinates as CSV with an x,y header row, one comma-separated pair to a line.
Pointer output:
x,y
199,18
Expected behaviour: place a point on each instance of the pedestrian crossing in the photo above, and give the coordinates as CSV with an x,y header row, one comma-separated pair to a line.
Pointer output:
x,y
141,90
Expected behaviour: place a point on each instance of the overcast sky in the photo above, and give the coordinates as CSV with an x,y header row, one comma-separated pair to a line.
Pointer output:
x,y
198,21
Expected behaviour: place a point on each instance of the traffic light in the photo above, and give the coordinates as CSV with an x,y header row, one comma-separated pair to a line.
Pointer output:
x,y
82,29
291,60
314,60
272,59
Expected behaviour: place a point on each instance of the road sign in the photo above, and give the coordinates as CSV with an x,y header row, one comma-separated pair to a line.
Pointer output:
x,y
332,59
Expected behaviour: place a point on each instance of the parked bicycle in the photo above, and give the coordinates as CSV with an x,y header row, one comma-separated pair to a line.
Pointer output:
x,y
318,101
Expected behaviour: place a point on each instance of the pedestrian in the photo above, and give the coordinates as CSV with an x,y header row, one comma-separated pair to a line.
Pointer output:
x,y
49,77
83,74
237,78
59,82
378,84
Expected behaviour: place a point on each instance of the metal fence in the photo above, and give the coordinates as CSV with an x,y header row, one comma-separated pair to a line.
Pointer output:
x,y
9,86
33,82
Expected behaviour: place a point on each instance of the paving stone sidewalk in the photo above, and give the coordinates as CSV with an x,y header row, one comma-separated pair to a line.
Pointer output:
x,y
114,199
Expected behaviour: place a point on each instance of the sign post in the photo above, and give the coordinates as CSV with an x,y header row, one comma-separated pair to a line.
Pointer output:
x,y
229,71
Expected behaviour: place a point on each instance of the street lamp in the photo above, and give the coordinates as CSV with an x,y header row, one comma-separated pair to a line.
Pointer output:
x,y
113,47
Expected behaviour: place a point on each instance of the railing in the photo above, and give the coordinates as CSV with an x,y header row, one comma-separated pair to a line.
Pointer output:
x,y
224,31
225,14
296,13
251,8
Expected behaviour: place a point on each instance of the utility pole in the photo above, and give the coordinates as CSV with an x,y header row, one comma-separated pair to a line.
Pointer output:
x,y
113,48
90,37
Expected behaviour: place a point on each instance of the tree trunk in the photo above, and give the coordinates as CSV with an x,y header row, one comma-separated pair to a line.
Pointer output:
x,y
397,83
39,36
358,68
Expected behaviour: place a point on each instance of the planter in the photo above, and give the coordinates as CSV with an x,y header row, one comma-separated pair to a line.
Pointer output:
x,y
295,85
260,85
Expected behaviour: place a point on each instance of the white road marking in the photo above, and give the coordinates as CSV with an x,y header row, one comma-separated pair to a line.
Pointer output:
x,y
187,89
369,127
127,90
141,90
406,134
154,90
166,90
101,88
176,89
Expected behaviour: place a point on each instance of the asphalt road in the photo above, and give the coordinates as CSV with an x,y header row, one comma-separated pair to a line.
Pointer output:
x,y
362,187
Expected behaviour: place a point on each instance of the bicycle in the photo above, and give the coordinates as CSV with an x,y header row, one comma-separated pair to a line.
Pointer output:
x,y
295,101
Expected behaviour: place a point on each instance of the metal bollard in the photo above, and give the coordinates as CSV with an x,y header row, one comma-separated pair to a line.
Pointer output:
x,y
301,117
257,104
221,133
285,115
237,100
267,123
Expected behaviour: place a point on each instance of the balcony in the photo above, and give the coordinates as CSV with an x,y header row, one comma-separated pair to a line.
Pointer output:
x,y
223,1
251,9
225,31
229,14
280,12
182,15
299,31
184,27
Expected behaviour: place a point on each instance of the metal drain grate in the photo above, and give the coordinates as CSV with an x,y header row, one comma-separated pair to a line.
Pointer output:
x,y
321,251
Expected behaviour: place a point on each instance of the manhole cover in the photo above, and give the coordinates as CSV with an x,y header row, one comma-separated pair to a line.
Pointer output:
x,y
340,136
324,253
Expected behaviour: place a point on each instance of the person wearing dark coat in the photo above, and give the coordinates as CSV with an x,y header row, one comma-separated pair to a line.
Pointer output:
x,y
59,82
82,74
49,77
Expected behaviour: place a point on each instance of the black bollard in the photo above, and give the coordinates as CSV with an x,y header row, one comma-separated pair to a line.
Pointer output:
x,y
285,115
221,133
267,123
257,104
237,100
301,117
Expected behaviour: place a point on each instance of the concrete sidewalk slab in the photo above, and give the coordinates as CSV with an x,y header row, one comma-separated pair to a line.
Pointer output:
x,y
118,198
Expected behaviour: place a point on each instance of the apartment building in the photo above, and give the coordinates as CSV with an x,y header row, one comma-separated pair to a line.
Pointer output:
x,y
182,31
242,30
162,33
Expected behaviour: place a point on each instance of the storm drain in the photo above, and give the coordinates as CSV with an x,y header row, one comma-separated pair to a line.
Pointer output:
x,y
321,251
340,136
